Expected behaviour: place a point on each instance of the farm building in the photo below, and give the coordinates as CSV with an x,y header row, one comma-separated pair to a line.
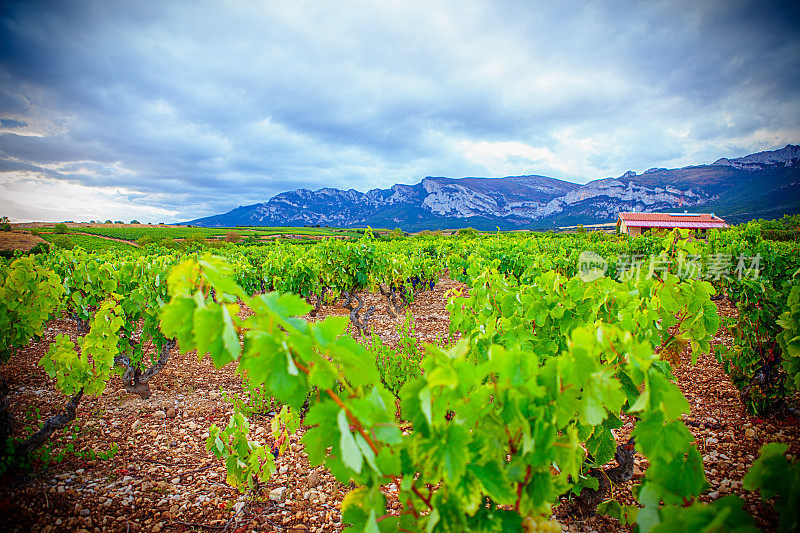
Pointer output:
x,y
639,223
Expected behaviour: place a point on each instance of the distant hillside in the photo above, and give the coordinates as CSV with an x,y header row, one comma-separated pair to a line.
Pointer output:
x,y
762,185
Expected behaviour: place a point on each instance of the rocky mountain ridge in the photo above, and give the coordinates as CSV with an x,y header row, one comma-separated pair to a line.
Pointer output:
x,y
745,187
788,156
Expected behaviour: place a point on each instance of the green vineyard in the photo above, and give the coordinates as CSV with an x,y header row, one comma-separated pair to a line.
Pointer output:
x,y
550,396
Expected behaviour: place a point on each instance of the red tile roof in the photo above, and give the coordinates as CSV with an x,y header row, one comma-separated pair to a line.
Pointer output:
x,y
672,220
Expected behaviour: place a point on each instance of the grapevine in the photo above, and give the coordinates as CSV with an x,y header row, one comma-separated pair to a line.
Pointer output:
x,y
495,428
492,431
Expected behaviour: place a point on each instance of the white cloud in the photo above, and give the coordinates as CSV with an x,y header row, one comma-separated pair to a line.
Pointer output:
x,y
30,197
201,106
505,158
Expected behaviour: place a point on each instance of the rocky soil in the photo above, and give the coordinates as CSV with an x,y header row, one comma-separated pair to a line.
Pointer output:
x,y
141,465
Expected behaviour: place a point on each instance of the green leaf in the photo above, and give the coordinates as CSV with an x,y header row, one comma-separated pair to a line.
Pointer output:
x,y
207,332
443,376
542,489
317,439
433,519
358,364
602,445
667,396
284,305
329,329
425,404
372,524
769,472
649,516
495,481
610,508
388,461
725,514
601,395
367,452
322,374
661,441
219,274
351,454
453,452
230,339
681,477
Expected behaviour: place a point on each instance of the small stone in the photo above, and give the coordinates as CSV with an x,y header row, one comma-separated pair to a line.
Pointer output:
x,y
156,528
160,415
84,512
171,412
750,433
176,481
277,495
314,479
136,425
713,495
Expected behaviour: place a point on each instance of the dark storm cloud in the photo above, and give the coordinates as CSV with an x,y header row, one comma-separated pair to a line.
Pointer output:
x,y
194,108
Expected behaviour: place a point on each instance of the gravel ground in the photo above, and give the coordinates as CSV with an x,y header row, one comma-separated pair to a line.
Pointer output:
x,y
162,478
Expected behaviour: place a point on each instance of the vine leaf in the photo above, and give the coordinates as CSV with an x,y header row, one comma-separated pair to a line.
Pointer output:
x,y
351,454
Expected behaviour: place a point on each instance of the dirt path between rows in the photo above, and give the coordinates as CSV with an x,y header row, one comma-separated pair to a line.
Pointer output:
x,y
162,478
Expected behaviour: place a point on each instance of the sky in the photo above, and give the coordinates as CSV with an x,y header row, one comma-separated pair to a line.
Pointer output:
x,y
169,111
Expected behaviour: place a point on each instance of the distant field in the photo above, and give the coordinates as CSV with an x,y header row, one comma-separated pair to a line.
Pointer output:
x,y
87,242
18,240
135,232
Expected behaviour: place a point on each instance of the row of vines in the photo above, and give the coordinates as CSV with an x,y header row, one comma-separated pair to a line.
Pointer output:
x,y
492,430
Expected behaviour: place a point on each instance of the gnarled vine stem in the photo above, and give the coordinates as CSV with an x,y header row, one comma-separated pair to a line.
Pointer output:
x,y
136,381
56,422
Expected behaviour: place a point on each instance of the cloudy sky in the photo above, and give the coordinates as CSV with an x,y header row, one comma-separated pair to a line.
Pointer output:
x,y
166,111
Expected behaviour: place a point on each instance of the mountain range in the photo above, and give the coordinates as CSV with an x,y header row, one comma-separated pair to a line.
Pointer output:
x,y
761,185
